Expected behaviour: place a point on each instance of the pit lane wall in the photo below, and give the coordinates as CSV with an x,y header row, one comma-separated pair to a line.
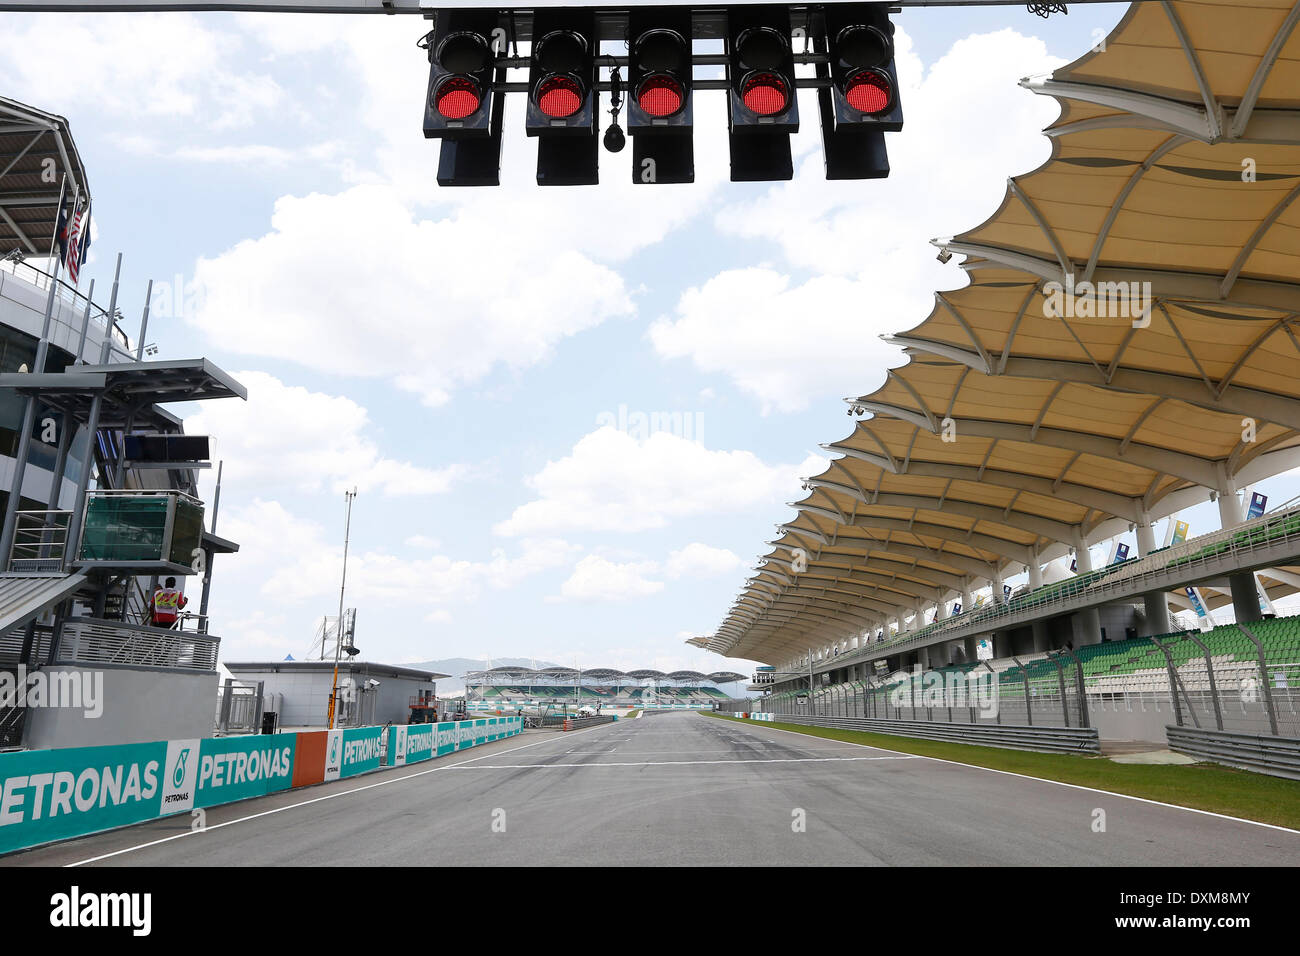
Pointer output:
x,y
49,795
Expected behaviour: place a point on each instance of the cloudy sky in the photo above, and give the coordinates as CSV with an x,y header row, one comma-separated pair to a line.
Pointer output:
x,y
573,415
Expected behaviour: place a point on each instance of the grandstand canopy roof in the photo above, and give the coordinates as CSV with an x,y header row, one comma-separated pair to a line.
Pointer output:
x,y
36,153
1029,419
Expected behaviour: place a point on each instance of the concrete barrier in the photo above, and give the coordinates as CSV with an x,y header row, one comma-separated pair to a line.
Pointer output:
x,y
1044,739
49,795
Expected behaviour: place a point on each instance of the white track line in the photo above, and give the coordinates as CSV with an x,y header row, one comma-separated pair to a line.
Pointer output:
x,y
304,803
679,763
1024,776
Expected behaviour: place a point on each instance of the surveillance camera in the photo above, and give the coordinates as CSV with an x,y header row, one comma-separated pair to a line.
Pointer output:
x,y
944,256
372,683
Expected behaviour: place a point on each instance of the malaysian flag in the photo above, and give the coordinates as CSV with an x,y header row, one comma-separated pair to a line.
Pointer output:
x,y
74,241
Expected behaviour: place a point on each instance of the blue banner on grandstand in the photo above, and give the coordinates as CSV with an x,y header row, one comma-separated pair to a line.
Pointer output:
x,y
1258,503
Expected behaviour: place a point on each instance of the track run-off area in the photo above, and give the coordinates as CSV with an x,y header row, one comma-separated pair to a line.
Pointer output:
x,y
684,788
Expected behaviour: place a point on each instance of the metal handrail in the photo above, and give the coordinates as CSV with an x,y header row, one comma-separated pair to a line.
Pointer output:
x,y
96,641
69,296
40,541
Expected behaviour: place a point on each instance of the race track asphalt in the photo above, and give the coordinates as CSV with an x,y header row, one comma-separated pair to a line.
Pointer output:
x,y
681,788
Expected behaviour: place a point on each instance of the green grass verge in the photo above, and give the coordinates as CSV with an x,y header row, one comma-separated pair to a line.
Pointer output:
x,y
1202,786
631,713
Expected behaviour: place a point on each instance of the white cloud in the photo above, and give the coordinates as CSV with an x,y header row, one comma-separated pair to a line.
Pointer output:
x,y
799,343
292,562
285,434
790,341
353,284
598,579
611,481
698,560
168,66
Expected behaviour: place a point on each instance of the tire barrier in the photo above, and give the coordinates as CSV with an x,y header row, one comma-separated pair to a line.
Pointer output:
x,y
49,795
1277,756
1046,739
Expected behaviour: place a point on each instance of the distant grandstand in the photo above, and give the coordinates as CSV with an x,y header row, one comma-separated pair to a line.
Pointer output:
x,y
649,689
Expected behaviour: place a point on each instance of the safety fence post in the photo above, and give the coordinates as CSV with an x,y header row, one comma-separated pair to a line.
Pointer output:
x,y
1209,671
1263,677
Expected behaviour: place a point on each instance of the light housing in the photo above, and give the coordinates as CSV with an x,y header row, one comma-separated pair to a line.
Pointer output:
x,y
562,99
762,104
660,112
461,71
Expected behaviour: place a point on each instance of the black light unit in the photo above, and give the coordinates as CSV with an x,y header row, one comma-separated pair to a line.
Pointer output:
x,y
660,113
864,90
762,109
458,104
475,161
461,107
562,97
760,71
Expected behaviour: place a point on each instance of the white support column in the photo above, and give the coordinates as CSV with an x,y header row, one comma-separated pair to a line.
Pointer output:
x,y
1082,556
1035,572
1088,621
1156,603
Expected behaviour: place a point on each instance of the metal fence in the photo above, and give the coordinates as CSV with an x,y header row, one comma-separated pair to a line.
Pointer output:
x,y
239,708
96,641
1251,686
979,696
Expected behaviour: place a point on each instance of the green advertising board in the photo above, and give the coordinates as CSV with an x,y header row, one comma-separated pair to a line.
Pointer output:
x,y
236,768
361,747
56,794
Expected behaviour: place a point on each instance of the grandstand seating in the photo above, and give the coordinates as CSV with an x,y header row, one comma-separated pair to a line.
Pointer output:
x,y
1134,666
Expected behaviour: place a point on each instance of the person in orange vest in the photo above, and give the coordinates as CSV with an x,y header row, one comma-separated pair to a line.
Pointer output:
x,y
167,603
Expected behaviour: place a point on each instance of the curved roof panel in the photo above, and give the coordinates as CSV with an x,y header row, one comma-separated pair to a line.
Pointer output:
x,y
1129,303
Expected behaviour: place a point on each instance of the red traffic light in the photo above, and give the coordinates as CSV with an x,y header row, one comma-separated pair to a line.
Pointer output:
x,y
660,95
457,97
559,96
765,94
869,91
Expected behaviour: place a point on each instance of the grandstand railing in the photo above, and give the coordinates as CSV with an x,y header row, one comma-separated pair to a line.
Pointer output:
x,y
1267,541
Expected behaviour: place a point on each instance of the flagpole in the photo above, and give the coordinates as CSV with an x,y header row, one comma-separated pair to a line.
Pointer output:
x,y
54,237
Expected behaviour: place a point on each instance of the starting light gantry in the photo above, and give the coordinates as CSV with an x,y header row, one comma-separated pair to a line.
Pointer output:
x,y
848,46
843,50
